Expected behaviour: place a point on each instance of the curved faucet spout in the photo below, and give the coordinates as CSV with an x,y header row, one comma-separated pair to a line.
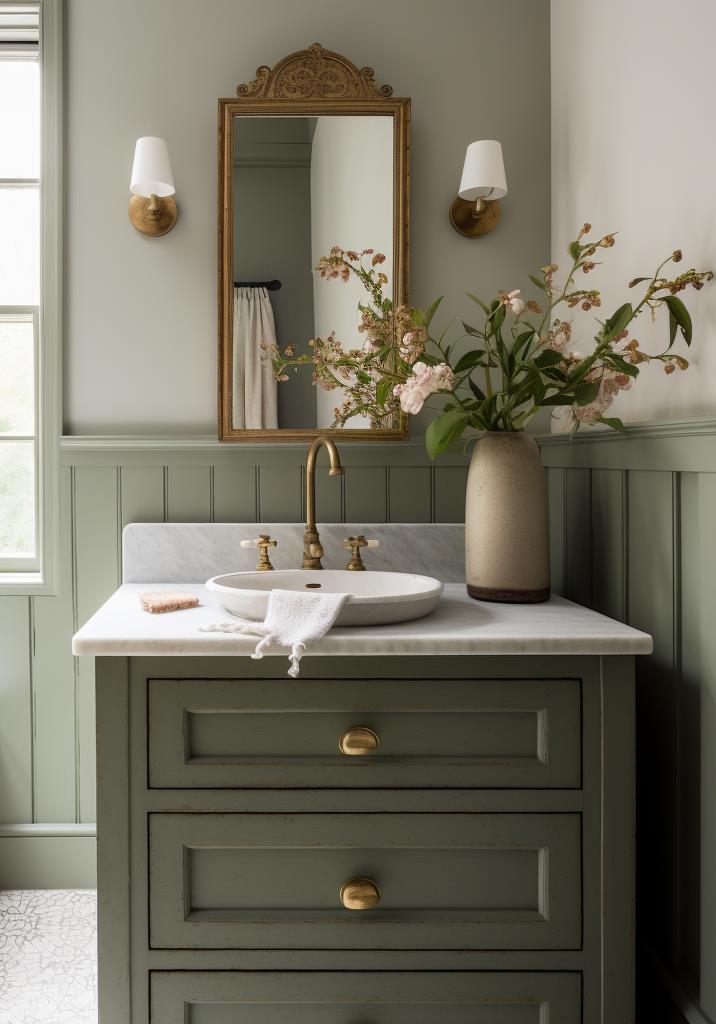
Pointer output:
x,y
312,550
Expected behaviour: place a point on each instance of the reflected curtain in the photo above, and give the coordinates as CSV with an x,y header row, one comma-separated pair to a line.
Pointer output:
x,y
255,405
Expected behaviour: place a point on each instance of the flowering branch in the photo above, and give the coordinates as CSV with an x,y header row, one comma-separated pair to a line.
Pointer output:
x,y
400,365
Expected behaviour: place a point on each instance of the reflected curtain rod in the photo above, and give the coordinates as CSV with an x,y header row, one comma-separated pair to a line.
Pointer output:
x,y
270,286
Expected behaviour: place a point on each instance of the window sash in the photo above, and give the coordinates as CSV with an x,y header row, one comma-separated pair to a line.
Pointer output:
x,y
9,563
39,575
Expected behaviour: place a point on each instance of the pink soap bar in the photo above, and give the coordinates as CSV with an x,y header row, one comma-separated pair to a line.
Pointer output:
x,y
156,601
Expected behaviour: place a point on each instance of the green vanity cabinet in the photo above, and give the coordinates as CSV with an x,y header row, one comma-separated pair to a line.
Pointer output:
x,y
491,824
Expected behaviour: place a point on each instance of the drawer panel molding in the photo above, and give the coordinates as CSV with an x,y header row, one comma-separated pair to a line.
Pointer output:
x,y
506,733
406,997
365,881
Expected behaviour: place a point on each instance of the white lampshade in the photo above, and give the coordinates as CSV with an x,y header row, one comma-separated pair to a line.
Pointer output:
x,y
483,174
152,171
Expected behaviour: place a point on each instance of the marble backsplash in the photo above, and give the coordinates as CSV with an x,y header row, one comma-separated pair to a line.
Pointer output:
x,y
194,552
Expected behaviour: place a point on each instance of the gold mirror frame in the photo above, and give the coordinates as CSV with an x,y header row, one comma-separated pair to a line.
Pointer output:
x,y
310,82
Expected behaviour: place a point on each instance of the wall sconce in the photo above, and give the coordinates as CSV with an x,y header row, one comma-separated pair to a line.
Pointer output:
x,y
476,208
152,208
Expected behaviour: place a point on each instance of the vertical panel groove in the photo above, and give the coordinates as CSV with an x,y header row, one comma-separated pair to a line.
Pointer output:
x,y
31,669
677,663
75,662
565,510
165,480
625,545
212,496
119,522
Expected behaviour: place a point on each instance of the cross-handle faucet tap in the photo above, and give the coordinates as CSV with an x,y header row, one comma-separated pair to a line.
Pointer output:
x,y
312,548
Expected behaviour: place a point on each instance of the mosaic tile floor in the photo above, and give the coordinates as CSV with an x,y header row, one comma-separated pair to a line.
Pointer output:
x,y
48,959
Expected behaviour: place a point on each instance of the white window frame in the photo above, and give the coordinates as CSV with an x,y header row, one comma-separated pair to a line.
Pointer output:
x,y
40,576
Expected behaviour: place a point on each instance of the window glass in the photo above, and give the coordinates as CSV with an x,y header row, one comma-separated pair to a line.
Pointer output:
x,y
17,499
19,119
17,377
19,246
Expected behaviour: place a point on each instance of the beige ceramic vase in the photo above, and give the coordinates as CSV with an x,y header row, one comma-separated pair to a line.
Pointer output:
x,y
506,520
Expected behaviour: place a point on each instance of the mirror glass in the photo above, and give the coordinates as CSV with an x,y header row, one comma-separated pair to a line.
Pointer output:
x,y
301,185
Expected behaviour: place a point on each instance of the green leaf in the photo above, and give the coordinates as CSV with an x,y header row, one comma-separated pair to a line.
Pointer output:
x,y
618,362
477,392
472,330
430,311
574,250
681,314
618,320
496,321
382,391
586,392
364,378
672,330
548,358
469,360
483,306
536,281
430,359
638,280
558,400
443,430
612,421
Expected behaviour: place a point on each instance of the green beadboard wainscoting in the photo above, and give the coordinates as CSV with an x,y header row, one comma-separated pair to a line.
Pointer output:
x,y
47,728
633,536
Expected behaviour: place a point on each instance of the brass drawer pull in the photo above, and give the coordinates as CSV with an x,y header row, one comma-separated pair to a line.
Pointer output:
x,y
360,894
360,740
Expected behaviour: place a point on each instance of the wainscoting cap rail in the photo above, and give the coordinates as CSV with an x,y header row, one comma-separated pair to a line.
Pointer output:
x,y
149,442
677,428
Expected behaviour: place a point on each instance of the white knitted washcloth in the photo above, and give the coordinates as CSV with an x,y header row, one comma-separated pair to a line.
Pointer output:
x,y
294,618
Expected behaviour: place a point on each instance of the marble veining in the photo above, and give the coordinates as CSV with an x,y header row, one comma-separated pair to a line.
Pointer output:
x,y
194,552
459,625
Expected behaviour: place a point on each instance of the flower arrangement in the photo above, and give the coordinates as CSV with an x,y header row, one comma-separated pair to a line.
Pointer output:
x,y
521,359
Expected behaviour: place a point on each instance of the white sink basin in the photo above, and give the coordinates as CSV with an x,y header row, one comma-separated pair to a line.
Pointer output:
x,y
376,598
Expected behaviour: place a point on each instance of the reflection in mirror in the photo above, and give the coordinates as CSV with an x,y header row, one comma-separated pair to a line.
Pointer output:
x,y
300,186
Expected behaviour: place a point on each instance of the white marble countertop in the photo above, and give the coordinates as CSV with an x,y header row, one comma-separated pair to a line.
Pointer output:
x,y
459,625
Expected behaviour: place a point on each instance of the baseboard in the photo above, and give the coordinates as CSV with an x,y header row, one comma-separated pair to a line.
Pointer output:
x,y
48,856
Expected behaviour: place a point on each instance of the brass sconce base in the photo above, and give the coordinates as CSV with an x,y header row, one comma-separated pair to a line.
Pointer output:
x,y
153,216
464,218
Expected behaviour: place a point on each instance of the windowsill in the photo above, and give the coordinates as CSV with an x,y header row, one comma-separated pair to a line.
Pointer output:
x,y
24,584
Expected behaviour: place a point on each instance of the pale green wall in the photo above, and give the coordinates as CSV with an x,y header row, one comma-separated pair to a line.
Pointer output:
x,y
141,312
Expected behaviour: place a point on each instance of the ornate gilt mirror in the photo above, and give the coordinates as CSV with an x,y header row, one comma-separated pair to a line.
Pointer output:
x,y
312,154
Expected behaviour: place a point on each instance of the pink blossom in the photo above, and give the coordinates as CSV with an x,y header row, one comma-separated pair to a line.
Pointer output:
x,y
513,300
425,380
558,338
612,382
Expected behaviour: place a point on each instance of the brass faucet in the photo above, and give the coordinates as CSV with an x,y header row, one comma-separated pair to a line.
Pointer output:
x,y
312,548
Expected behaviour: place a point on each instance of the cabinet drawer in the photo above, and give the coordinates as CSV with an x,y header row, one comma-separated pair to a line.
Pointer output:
x,y
213,733
406,997
445,881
